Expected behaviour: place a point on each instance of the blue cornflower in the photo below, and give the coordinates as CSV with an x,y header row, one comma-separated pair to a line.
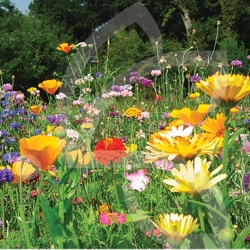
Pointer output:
x,y
99,74
37,131
3,133
10,140
10,157
14,125
6,175
56,119
195,78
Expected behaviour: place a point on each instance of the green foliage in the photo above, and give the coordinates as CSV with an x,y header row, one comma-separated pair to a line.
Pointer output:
x,y
28,49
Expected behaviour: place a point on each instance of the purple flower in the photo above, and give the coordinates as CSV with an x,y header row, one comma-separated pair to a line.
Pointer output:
x,y
14,125
162,125
37,131
248,57
114,113
246,181
99,74
236,63
133,79
115,88
165,115
146,82
195,78
7,86
3,133
6,175
11,157
56,119
135,73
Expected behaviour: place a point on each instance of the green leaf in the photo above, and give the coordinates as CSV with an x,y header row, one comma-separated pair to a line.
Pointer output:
x,y
65,177
239,242
55,226
136,217
236,133
209,244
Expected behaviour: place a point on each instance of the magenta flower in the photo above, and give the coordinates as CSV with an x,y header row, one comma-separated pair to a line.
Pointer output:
x,y
138,180
236,63
107,218
246,182
248,57
7,86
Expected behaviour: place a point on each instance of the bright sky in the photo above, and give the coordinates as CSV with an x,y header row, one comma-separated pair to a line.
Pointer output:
x,y
22,5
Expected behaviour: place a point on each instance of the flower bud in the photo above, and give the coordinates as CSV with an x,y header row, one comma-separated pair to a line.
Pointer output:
x,y
225,235
59,132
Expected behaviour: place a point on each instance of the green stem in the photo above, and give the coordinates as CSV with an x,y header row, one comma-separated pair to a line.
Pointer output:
x,y
21,211
115,188
214,210
3,213
225,157
36,206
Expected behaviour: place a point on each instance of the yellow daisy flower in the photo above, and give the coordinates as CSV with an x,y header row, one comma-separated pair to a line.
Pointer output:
x,y
194,178
176,227
226,90
162,145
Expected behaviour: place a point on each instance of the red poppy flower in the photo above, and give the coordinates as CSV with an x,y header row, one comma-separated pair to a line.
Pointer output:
x,y
110,149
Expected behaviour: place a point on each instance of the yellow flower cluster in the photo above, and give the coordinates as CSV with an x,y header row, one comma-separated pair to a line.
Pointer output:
x,y
132,112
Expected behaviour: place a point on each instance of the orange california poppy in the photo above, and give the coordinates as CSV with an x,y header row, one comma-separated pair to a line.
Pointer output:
x,y
23,170
192,117
36,109
65,47
41,150
50,86
110,149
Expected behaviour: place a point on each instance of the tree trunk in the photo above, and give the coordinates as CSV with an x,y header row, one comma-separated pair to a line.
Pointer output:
x,y
186,20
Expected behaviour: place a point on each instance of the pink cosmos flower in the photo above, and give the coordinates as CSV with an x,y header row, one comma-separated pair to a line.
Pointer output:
x,y
155,72
107,218
246,147
138,180
164,164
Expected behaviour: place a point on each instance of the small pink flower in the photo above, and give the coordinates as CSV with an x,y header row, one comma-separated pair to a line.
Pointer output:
x,y
246,147
164,164
60,96
138,180
155,72
20,96
129,167
34,193
107,218
105,95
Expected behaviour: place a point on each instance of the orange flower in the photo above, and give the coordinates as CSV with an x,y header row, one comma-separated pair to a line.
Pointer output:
x,y
50,86
36,109
132,112
216,126
23,170
65,47
192,116
41,150
110,149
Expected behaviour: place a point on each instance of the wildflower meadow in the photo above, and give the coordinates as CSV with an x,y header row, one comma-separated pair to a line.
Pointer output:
x,y
156,157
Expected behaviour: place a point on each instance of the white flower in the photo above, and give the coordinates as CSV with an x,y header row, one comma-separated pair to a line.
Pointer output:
x,y
180,131
81,44
72,134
